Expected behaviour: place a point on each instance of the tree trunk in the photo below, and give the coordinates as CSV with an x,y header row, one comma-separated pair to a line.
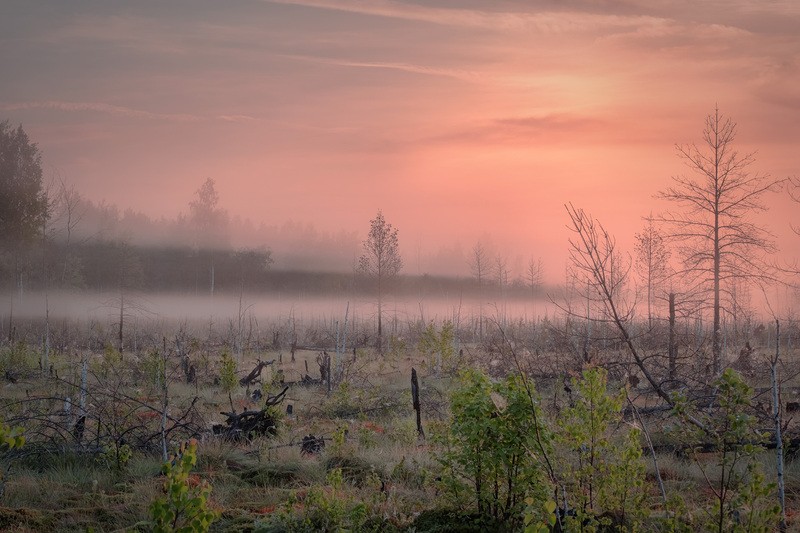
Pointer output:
x,y
415,400
673,350
776,414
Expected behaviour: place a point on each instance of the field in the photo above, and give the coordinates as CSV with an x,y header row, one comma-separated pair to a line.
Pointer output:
x,y
97,421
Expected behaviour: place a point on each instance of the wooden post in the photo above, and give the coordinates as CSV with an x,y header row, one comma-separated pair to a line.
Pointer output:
x,y
415,400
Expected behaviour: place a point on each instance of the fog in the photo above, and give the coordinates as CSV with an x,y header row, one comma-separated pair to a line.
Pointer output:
x,y
87,307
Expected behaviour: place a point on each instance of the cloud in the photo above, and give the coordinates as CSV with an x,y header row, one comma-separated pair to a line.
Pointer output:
x,y
120,111
237,118
459,74
545,21
522,129
100,107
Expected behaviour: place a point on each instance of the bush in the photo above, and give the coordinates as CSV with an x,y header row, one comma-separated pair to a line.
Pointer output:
x,y
740,491
490,453
604,473
184,508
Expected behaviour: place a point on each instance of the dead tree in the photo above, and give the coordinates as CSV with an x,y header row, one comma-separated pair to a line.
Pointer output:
x,y
254,374
415,400
718,242
252,423
594,255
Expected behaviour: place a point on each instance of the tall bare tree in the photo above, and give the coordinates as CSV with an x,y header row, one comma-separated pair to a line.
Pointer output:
x,y
717,239
479,265
652,261
381,260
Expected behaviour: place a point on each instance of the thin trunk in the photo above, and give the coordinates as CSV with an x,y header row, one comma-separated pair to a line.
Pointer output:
x,y
715,336
121,320
673,349
776,415
46,350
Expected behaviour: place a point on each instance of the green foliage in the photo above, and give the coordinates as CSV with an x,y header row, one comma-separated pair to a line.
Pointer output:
x,y
740,490
111,361
327,508
10,438
604,476
439,345
115,456
18,357
184,508
227,373
23,203
154,367
491,455
346,401
534,522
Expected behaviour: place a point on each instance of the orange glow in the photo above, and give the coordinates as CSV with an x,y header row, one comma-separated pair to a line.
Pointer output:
x,y
460,124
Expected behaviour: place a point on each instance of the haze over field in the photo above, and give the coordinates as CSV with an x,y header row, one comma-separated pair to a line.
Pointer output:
x,y
462,121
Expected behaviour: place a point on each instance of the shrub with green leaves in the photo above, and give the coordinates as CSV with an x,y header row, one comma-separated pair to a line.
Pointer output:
x,y
742,499
227,373
184,508
115,456
439,344
10,438
154,367
491,452
603,472
19,357
112,359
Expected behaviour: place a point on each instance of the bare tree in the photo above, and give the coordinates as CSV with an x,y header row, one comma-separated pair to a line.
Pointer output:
x,y
533,275
501,270
594,255
652,261
69,209
717,240
479,265
381,260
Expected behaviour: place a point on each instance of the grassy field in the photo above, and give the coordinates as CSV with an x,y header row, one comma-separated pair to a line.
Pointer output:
x,y
375,473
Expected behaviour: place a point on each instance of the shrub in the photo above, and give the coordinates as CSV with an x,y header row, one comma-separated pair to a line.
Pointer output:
x,y
184,508
491,449
604,475
741,494
439,345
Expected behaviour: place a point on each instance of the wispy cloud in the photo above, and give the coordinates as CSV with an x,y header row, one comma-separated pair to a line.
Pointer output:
x,y
459,74
120,111
514,130
545,21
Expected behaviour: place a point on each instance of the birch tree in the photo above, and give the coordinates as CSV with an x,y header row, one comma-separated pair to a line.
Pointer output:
x,y
381,260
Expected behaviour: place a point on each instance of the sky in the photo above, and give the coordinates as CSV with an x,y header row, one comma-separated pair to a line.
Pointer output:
x,y
462,121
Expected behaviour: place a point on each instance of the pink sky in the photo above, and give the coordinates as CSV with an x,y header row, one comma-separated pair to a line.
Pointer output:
x,y
462,121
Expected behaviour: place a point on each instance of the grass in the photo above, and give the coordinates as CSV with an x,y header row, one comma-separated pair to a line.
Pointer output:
x,y
383,461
